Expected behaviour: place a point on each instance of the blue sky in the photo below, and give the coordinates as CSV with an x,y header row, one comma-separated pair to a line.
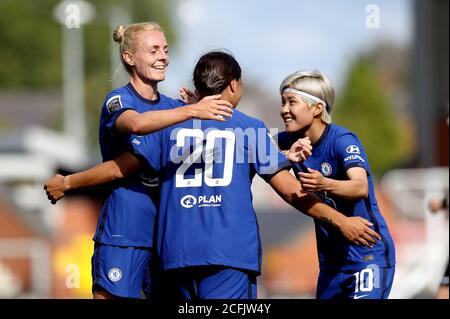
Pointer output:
x,y
272,39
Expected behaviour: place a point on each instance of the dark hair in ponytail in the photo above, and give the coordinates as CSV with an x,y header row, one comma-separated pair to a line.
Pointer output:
x,y
214,71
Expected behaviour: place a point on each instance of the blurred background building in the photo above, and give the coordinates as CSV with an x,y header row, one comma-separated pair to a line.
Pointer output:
x,y
387,59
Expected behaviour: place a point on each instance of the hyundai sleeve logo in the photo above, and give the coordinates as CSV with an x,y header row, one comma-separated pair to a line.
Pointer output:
x,y
353,149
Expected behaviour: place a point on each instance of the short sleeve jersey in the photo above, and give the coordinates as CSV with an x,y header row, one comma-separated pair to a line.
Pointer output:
x,y
128,213
206,215
334,153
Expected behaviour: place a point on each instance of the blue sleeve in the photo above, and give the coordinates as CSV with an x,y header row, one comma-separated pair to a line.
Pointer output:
x,y
148,147
114,106
350,152
268,159
178,103
285,140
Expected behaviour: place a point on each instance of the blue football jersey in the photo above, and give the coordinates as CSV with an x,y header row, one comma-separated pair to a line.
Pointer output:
x,y
334,153
206,215
128,213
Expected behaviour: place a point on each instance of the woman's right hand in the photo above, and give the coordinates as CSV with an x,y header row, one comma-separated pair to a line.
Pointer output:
x,y
55,188
300,150
357,230
212,108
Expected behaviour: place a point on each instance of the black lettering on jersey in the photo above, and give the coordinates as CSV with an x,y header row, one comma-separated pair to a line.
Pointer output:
x,y
149,177
150,181
114,103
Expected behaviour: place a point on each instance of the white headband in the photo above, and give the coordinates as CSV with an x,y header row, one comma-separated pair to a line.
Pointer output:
x,y
307,95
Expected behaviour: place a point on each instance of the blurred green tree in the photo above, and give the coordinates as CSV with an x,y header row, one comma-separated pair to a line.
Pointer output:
x,y
364,108
32,54
31,42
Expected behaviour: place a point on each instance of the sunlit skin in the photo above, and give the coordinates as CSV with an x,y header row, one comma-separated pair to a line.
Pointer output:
x,y
233,92
301,119
238,95
150,60
298,118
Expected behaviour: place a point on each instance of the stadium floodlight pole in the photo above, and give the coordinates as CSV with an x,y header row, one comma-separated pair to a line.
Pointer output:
x,y
118,15
72,15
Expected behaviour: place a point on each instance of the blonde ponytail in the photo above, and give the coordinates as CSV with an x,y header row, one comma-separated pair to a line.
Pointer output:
x,y
118,34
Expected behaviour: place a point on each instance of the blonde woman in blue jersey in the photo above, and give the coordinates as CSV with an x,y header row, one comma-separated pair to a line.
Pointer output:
x,y
124,235
338,172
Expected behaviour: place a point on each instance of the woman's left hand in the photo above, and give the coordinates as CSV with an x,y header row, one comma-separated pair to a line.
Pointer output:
x,y
188,96
300,150
313,181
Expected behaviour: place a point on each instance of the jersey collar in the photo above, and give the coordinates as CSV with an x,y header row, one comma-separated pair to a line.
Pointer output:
x,y
140,97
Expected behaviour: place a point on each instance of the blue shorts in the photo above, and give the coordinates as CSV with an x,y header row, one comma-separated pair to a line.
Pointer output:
x,y
209,282
123,271
370,282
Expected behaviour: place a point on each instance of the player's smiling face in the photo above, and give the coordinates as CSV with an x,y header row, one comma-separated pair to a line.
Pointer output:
x,y
296,113
151,56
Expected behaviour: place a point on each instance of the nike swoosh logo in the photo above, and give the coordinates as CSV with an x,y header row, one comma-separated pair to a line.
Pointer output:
x,y
359,297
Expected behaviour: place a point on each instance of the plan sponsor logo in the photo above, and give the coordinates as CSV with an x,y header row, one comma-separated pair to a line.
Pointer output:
x,y
190,201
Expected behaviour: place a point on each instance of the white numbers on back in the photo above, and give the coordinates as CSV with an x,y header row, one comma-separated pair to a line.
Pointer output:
x,y
211,137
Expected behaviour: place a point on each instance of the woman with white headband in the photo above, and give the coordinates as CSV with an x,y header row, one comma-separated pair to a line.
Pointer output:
x,y
338,171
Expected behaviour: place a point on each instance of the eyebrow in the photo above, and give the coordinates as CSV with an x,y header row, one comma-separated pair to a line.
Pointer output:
x,y
157,46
